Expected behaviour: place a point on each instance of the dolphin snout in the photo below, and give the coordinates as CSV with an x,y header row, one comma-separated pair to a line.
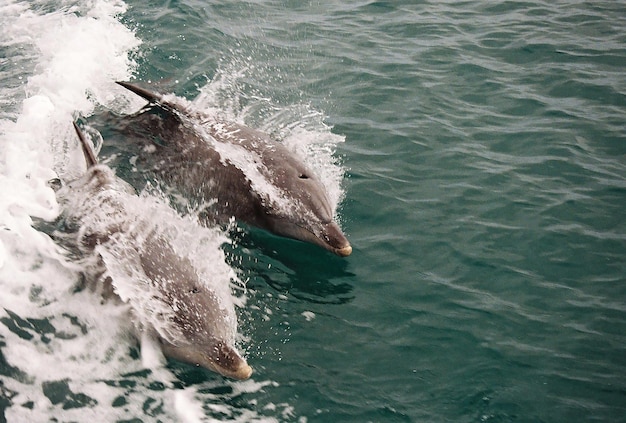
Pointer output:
x,y
226,360
216,356
345,251
232,365
244,371
335,240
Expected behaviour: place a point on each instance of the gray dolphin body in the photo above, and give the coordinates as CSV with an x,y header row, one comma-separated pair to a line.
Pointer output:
x,y
235,170
191,323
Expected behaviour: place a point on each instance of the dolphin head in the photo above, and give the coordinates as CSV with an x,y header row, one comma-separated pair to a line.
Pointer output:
x,y
306,213
200,325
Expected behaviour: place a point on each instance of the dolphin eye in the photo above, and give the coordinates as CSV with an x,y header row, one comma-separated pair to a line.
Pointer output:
x,y
303,176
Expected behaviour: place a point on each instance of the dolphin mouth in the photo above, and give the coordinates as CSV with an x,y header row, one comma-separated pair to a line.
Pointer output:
x,y
343,252
230,364
333,239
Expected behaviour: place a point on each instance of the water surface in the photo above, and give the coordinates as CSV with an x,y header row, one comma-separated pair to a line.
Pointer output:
x,y
484,151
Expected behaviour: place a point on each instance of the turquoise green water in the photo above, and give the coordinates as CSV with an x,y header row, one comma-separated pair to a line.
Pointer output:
x,y
485,148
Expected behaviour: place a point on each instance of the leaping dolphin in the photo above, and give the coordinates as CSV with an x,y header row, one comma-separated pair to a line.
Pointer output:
x,y
235,171
191,322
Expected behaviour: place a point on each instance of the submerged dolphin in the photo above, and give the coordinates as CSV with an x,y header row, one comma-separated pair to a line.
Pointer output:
x,y
235,171
163,288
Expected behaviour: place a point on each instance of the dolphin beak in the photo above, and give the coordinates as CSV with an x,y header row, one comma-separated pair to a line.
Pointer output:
x,y
244,371
334,240
238,371
326,235
216,356
226,361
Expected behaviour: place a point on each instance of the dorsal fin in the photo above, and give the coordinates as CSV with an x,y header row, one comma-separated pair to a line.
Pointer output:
x,y
150,96
90,156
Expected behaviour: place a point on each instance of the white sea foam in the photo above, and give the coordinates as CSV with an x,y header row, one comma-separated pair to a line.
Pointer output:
x,y
56,342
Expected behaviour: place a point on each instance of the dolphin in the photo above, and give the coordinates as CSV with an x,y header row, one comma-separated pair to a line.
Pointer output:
x,y
167,297
234,170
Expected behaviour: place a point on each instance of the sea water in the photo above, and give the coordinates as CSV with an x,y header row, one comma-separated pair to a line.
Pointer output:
x,y
476,152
